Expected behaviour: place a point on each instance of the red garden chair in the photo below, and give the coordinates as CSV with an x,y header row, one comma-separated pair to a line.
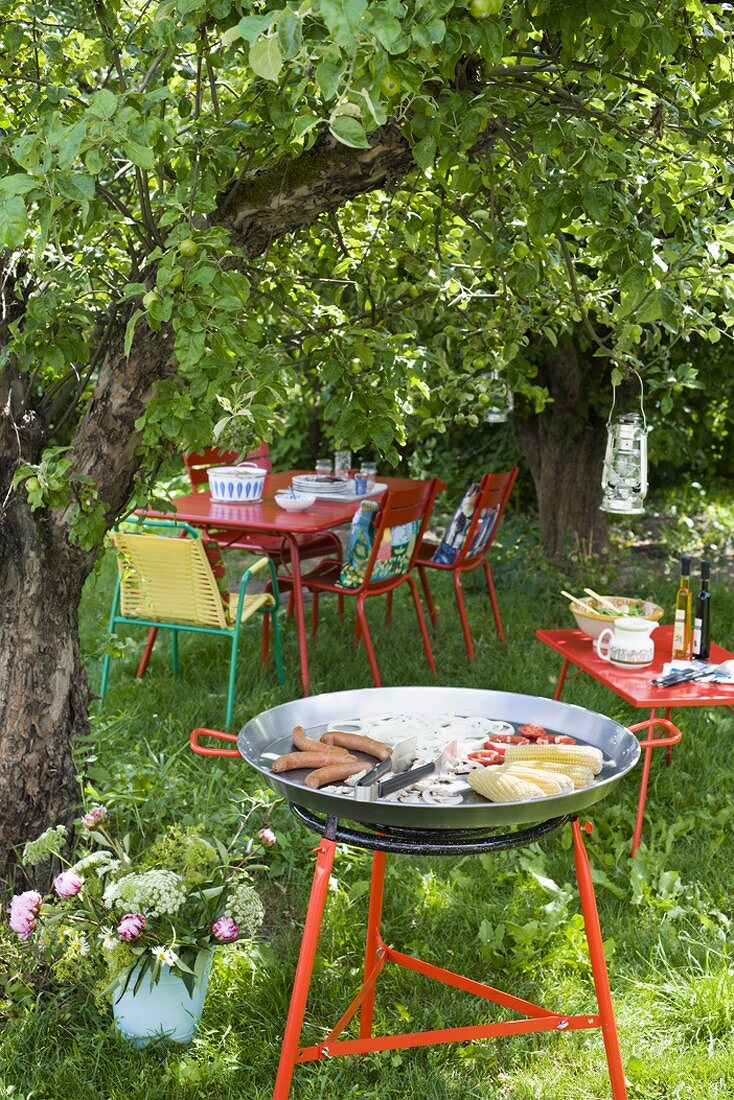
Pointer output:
x,y
198,465
470,547
398,508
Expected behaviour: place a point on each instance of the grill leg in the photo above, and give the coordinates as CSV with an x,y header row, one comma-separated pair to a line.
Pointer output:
x,y
598,965
374,939
304,969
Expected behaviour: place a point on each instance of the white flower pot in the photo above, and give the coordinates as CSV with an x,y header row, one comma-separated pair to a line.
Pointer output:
x,y
166,1010
237,484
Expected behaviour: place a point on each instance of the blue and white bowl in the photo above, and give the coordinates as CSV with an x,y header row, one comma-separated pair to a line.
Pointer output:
x,y
237,484
294,502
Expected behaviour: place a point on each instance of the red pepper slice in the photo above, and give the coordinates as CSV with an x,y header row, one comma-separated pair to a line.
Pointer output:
x,y
487,757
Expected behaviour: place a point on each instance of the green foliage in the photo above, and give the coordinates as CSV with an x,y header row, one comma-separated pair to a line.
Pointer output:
x,y
572,173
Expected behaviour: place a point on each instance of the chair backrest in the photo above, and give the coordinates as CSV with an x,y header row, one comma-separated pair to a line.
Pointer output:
x,y
399,509
167,579
494,492
198,463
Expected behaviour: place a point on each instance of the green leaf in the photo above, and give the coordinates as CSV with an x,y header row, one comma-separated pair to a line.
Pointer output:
x,y
141,155
289,34
424,153
130,330
387,30
349,131
13,220
328,75
75,185
103,103
266,59
342,19
250,27
17,184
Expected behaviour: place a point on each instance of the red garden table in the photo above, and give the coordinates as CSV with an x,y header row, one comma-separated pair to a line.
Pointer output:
x,y
265,517
633,685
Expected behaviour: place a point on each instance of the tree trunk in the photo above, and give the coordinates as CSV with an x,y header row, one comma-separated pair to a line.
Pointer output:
x,y
564,446
43,693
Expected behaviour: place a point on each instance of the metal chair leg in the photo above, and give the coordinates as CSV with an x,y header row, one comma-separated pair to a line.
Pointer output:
x,y
463,616
277,644
314,613
232,679
174,652
388,609
493,601
423,574
422,624
368,641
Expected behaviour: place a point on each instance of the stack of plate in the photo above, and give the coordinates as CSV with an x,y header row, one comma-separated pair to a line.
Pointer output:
x,y
321,485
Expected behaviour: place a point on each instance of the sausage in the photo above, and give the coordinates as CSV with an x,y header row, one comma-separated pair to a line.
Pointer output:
x,y
307,744
335,771
356,742
291,760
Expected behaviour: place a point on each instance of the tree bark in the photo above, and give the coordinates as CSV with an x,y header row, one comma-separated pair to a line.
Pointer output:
x,y
43,694
564,447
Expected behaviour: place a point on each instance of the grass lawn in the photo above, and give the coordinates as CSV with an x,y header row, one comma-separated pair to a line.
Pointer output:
x,y
511,919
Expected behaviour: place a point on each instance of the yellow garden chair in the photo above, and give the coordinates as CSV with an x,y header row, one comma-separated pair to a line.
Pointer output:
x,y
169,583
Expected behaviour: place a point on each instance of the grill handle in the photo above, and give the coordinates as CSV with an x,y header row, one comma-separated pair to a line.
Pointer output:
x,y
219,735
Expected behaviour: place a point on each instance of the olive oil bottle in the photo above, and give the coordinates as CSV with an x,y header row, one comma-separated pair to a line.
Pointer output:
x,y
682,632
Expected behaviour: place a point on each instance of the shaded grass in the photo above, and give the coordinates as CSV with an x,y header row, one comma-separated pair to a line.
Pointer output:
x,y
510,919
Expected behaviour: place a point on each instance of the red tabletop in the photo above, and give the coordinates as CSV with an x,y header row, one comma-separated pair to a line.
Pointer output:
x,y
634,684
266,515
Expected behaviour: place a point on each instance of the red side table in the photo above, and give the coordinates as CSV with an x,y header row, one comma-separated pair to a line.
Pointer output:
x,y
634,686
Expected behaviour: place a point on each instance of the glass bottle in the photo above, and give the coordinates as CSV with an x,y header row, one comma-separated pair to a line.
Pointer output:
x,y
682,633
702,620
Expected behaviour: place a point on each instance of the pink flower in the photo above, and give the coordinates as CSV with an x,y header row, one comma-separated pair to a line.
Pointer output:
x,y
95,815
225,929
23,911
268,837
131,926
68,883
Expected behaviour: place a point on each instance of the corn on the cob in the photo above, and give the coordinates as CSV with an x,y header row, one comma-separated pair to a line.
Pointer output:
x,y
548,781
585,755
579,776
495,784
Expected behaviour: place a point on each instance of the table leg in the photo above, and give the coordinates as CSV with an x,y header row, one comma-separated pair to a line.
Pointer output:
x,y
374,939
561,679
297,592
304,970
598,964
669,750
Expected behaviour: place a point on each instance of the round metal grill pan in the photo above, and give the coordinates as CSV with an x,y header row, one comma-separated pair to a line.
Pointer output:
x,y
271,732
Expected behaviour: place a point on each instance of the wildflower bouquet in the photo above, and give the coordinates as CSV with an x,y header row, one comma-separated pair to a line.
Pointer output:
x,y
160,912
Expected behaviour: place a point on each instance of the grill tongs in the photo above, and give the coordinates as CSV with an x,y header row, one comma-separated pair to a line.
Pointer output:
x,y
400,762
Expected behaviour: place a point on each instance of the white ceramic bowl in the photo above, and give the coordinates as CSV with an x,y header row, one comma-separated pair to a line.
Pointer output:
x,y
298,502
592,625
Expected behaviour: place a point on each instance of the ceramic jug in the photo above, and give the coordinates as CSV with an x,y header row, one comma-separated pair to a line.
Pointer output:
x,y
629,644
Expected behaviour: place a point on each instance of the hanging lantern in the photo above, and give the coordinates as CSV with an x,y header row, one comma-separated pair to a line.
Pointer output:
x,y
624,480
501,400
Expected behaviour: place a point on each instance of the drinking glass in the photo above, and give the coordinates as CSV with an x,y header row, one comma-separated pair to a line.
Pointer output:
x,y
323,467
342,463
369,469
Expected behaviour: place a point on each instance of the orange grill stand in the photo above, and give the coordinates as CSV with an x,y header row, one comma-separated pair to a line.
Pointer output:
x,y
378,954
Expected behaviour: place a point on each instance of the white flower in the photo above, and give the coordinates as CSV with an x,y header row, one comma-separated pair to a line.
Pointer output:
x,y
108,939
164,955
101,861
83,945
156,893
245,908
